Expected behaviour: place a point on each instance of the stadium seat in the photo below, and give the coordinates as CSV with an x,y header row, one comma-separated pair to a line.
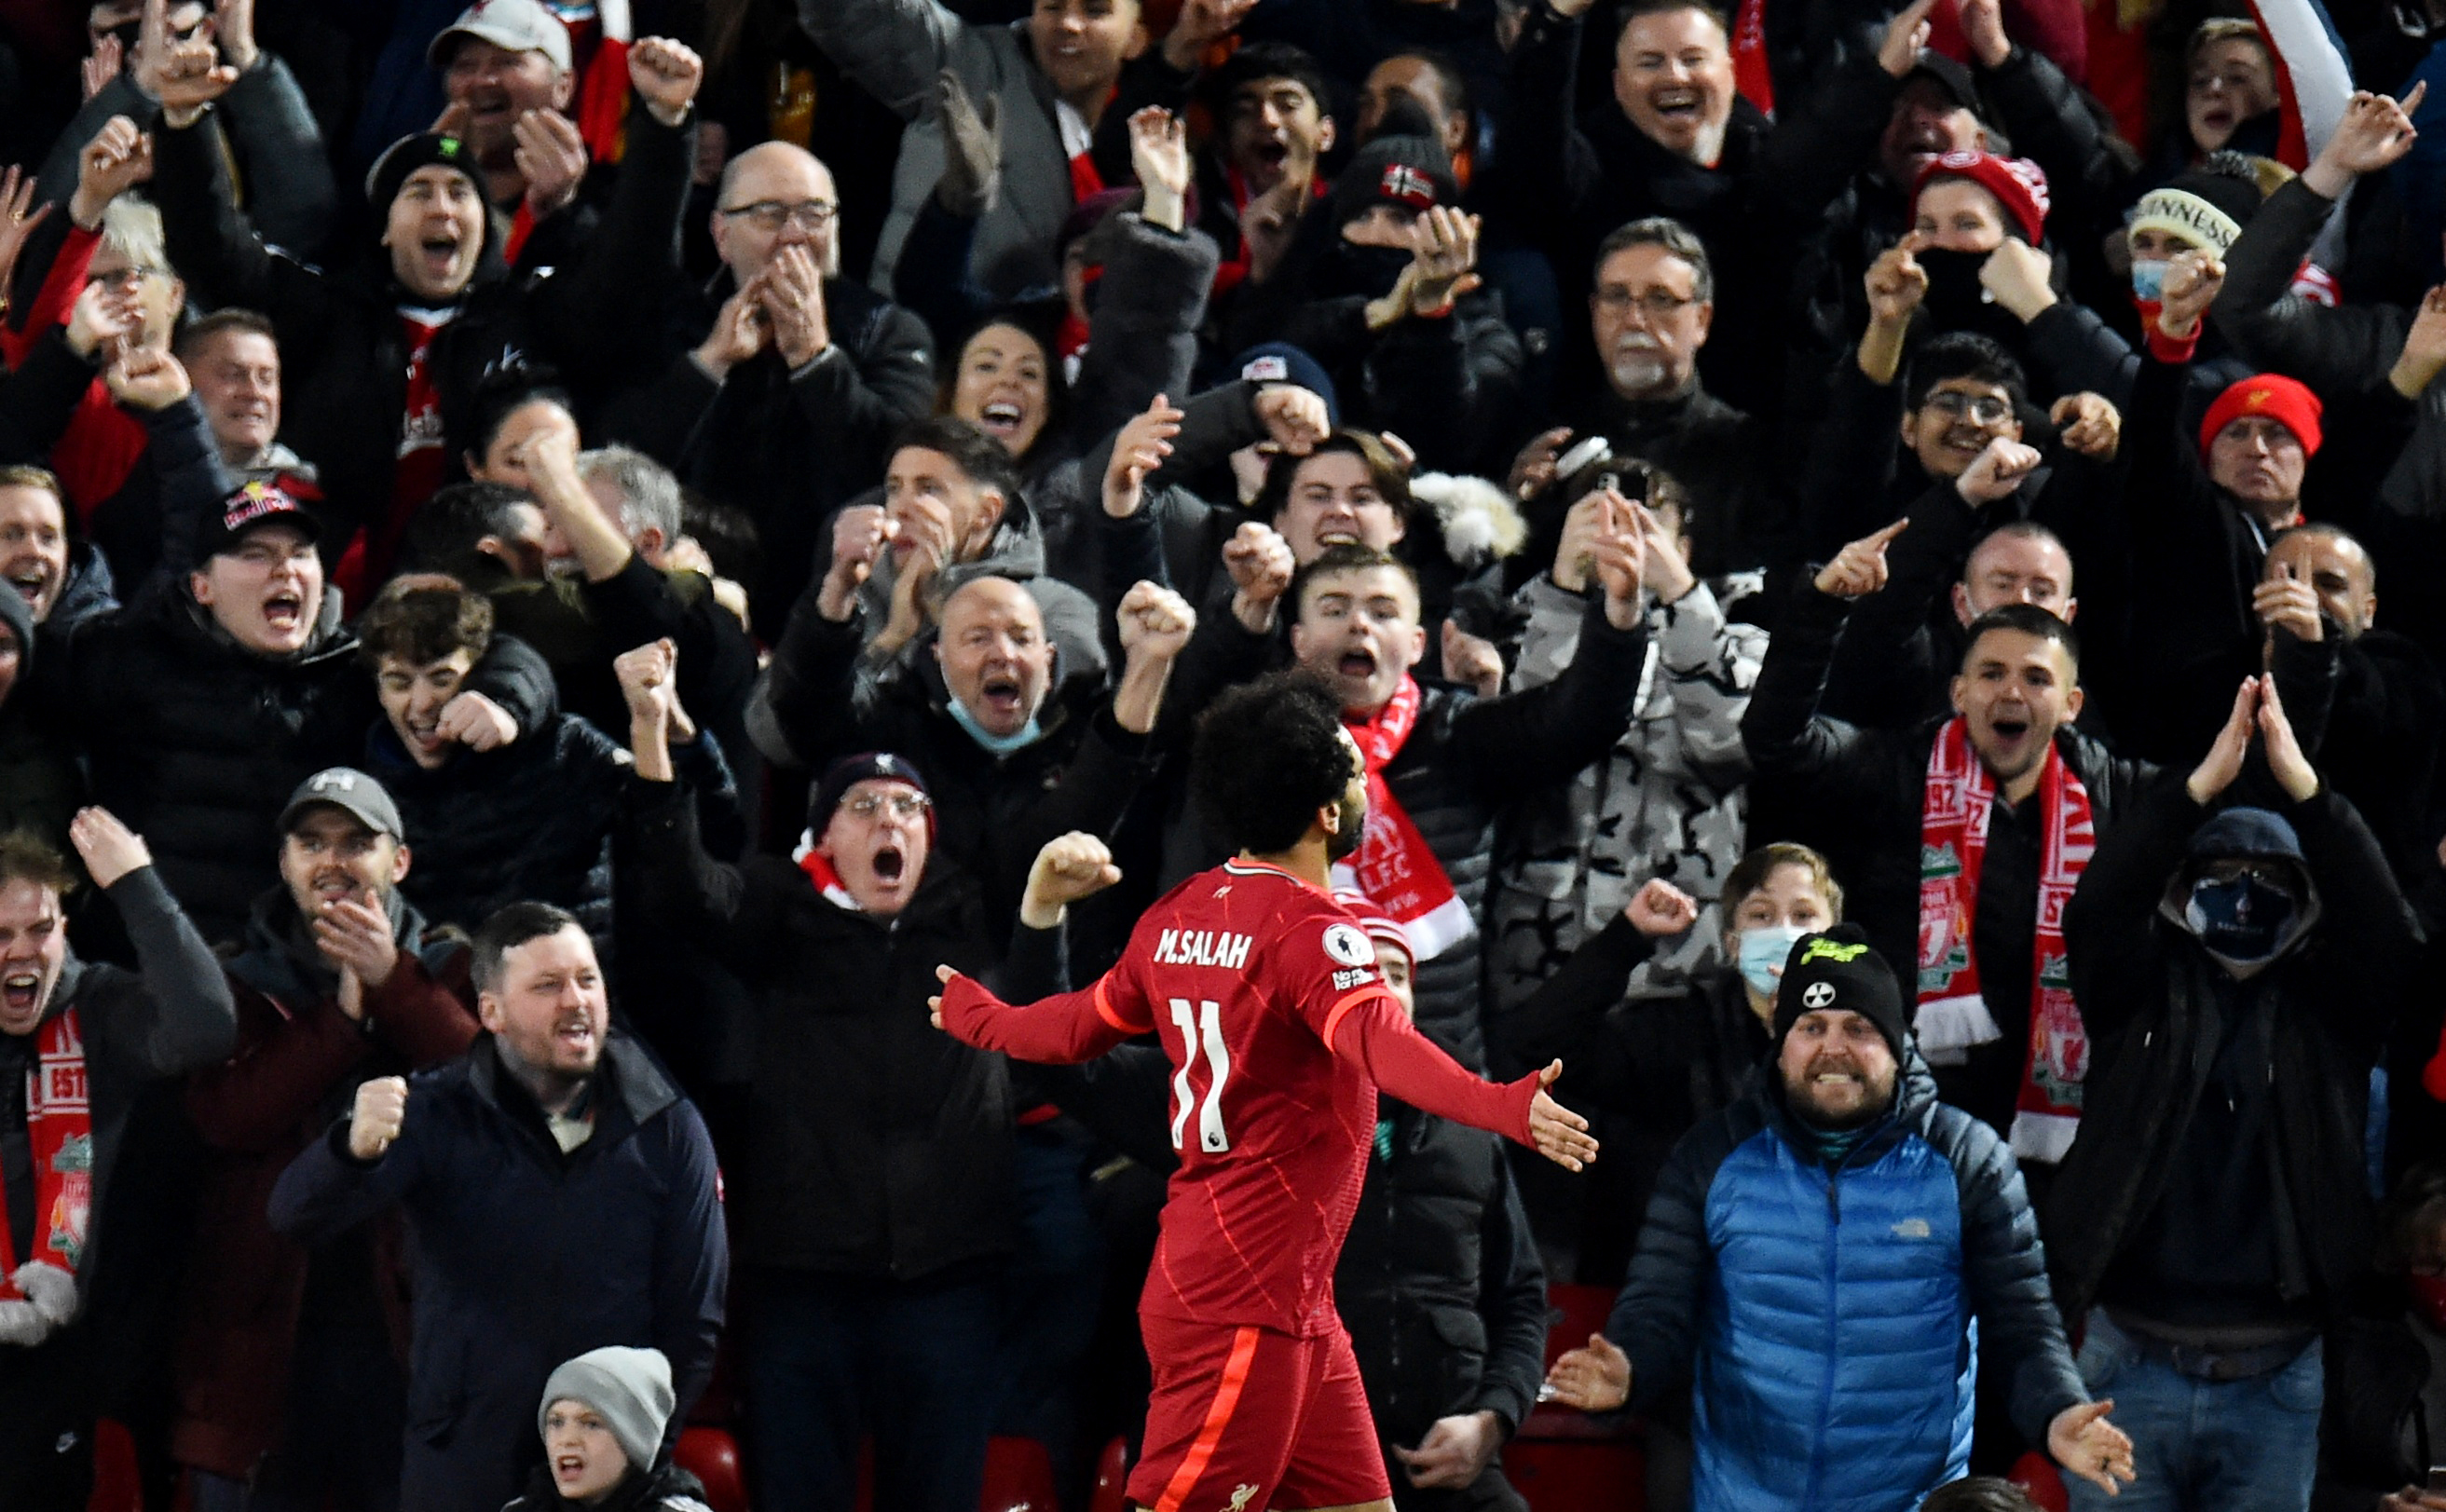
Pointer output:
x,y
1112,1479
1586,1475
1019,1477
116,1485
711,1455
1572,1313
2035,1473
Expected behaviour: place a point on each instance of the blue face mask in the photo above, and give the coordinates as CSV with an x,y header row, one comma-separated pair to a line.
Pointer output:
x,y
1763,951
2149,281
1026,734
2242,919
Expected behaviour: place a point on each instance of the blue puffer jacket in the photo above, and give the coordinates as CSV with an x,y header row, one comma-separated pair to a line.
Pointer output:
x,y
1825,1317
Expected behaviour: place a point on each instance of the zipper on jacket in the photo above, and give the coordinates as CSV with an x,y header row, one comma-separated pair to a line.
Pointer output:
x,y
1834,1327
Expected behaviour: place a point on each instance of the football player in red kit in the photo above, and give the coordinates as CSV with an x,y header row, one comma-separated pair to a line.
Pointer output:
x,y
1279,1028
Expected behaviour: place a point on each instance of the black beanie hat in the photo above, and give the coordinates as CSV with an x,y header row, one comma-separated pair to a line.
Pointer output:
x,y
1839,969
409,154
1408,171
850,770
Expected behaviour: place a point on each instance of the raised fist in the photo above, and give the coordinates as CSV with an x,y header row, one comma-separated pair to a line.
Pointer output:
x,y
380,1113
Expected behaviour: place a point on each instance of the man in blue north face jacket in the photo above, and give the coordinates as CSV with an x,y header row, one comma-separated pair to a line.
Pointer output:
x,y
1813,1260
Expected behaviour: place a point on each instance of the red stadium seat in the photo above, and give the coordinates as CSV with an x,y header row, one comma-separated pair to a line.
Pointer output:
x,y
1577,1311
2035,1473
1112,1479
1589,1475
1565,1461
116,1485
1019,1477
711,1455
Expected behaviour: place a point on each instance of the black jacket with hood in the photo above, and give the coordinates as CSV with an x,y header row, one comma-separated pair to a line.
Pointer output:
x,y
2161,1013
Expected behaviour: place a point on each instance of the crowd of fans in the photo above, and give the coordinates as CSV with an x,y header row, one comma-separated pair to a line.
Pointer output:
x,y
561,558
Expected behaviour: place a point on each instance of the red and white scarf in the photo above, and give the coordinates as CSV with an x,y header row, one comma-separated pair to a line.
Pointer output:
x,y
59,1126
1952,1016
820,872
1394,863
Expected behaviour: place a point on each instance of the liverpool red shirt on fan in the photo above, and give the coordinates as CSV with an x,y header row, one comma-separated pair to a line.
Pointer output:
x,y
1279,1029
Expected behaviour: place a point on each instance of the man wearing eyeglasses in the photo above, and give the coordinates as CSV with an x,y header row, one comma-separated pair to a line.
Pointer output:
x,y
871,1183
792,381
1650,310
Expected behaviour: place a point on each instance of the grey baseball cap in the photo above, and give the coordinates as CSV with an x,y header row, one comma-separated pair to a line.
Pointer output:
x,y
512,25
351,791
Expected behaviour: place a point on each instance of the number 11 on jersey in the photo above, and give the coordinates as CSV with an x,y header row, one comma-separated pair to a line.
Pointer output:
x,y
1200,1028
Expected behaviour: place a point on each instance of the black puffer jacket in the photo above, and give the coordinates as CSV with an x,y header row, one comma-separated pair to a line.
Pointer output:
x,y
197,743
1439,1282
2158,1008
876,1145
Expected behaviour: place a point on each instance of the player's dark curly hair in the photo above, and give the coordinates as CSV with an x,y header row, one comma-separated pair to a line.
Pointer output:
x,y
1270,754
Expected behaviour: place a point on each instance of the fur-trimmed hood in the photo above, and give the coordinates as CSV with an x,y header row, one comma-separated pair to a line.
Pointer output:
x,y
1478,521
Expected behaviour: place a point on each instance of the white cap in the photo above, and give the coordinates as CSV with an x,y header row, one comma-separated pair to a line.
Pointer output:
x,y
513,26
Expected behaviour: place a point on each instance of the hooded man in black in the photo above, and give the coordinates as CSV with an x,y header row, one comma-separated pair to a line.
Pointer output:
x,y
2236,971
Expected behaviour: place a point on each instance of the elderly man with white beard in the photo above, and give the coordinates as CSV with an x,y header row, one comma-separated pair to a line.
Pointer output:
x,y
1650,308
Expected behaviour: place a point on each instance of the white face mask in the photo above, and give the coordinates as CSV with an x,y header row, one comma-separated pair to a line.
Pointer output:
x,y
2149,280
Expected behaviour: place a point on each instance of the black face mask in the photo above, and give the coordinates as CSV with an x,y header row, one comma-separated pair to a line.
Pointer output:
x,y
1956,302
2241,920
1356,269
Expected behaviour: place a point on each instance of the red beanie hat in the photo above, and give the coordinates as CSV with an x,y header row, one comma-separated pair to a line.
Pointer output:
x,y
1379,925
2019,184
2281,399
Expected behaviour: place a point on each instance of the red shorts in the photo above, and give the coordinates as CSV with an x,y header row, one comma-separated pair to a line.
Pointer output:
x,y
1247,1420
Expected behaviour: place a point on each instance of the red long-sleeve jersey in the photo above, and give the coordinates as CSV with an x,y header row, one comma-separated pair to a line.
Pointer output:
x,y
1279,1029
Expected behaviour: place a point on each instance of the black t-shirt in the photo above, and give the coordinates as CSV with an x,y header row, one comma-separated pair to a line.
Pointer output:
x,y
16,1146
1988,1084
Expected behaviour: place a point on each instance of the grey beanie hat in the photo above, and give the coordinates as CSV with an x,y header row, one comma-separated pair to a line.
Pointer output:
x,y
629,1389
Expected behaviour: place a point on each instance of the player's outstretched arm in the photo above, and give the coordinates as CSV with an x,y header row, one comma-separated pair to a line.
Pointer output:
x,y
1398,1058
1061,1031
